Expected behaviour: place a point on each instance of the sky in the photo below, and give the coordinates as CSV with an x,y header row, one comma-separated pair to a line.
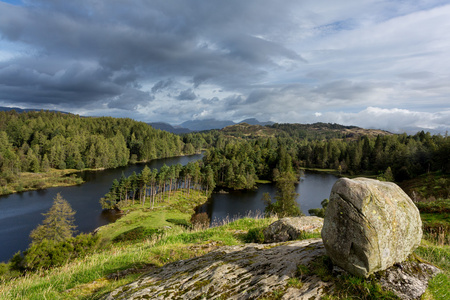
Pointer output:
x,y
381,64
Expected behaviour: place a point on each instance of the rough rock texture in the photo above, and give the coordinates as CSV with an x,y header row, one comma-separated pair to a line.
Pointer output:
x,y
408,280
288,229
369,225
235,272
260,271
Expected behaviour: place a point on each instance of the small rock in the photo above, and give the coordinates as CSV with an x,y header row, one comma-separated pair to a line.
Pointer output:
x,y
288,229
408,280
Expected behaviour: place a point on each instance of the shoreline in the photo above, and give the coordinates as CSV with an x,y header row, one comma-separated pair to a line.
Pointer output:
x,y
27,181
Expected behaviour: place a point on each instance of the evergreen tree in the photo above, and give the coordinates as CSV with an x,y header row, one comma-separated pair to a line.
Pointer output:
x,y
58,224
286,204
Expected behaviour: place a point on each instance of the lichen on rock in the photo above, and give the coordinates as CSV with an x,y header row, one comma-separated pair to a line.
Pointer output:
x,y
233,272
370,225
287,229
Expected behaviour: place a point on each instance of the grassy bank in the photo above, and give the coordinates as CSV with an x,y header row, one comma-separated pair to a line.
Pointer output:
x,y
26,181
121,261
146,237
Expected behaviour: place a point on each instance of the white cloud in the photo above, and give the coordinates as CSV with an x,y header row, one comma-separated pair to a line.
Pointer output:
x,y
394,120
375,63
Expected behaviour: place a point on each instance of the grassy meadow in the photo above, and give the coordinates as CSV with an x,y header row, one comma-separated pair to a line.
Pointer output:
x,y
146,237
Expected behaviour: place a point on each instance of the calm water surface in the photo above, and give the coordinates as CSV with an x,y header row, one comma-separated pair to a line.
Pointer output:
x,y
312,189
22,212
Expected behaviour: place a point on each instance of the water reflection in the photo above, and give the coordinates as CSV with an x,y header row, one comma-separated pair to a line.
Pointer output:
x,y
312,189
22,212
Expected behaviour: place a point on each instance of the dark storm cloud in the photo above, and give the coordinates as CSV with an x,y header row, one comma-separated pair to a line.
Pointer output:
x,y
160,85
73,85
215,41
199,79
280,59
187,95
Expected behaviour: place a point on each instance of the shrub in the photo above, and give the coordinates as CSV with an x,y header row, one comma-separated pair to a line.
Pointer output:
x,y
136,234
255,235
47,254
179,222
200,220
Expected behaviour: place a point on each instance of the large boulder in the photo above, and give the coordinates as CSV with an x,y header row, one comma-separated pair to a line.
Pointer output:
x,y
369,225
288,229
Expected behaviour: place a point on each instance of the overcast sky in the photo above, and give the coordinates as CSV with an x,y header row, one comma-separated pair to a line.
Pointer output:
x,y
371,63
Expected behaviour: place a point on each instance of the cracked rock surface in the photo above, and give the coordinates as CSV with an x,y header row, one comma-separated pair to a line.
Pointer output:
x,y
255,271
233,272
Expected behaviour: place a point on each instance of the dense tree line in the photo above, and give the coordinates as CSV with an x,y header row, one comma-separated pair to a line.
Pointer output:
x,y
38,141
238,164
151,186
406,156
316,131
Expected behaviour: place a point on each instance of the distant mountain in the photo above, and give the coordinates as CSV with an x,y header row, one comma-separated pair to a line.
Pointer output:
x,y
208,124
20,110
253,121
169,128
316,131
245,130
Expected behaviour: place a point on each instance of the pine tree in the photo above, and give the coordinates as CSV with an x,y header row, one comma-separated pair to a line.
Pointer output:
x,y
286,205
58,224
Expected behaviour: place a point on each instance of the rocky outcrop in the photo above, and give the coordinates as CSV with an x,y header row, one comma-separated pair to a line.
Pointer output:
x,y
256,271
408,280
369,225
288,229
236,272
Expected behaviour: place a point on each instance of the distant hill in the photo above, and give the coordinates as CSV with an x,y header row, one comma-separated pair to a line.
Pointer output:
x,y
316,131
169,128
246,130
208,124
253,121
20,110
327,131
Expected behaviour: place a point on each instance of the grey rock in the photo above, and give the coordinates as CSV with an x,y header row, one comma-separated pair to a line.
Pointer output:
x,y
408,280
369,225
288,229
233,272
255,271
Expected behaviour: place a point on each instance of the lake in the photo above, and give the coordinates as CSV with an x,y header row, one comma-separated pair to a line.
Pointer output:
x,y
312,189
20,213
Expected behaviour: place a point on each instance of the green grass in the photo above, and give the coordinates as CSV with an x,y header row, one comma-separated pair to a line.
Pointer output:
x,y
163,235
179,207
27,181
87,278
439,286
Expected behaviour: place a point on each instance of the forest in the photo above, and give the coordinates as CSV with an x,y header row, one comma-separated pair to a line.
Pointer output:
x,y
37,142
236,157
238,163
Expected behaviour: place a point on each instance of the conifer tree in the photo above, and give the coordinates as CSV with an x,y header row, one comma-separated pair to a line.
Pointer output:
x,y
58,224
286,205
